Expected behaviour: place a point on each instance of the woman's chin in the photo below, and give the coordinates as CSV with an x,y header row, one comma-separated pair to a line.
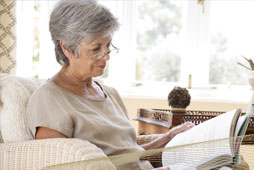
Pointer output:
x,y
99,73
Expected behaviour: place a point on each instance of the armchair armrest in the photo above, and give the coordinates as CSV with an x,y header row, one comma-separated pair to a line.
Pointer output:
x,y
37,154
155,160
142,139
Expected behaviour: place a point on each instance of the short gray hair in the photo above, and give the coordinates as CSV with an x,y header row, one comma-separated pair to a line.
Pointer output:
x,y
76,21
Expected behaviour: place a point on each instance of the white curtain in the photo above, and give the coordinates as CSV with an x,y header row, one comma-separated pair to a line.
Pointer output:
x,y
25,24
48,65
25,37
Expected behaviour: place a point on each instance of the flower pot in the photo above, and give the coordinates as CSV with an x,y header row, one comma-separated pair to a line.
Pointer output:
x,y
176,110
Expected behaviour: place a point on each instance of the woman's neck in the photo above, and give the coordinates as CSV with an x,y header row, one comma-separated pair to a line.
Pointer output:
x,y
68,77
78,86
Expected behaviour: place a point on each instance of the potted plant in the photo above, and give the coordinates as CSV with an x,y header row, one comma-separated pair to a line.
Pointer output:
x,y
178,99
251,68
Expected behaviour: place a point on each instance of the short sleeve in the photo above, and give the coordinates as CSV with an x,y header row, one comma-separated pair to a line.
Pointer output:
x,y
119,100
47,109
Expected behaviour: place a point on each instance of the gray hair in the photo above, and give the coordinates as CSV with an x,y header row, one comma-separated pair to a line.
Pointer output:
x,y
76,21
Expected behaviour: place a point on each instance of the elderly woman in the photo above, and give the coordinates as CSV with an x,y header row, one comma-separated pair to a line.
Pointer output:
x,y
71,104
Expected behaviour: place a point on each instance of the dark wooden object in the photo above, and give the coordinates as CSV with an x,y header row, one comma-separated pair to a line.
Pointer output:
x,y
157,121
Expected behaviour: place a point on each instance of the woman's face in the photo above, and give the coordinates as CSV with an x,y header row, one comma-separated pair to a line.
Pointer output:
x,y
88,64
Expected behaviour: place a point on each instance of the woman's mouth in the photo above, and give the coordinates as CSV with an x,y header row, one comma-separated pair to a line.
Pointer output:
x,y
101,66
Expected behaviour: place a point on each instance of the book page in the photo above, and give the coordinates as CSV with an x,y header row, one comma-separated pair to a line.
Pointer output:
x,y
219,161
210,130
194,155
239,124
241,128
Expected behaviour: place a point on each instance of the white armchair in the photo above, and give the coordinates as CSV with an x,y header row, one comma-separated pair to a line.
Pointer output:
x,y
37,154
19,152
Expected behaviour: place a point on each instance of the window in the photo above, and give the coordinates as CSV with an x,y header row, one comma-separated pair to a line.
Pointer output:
x,y
161,43
160,29
231,35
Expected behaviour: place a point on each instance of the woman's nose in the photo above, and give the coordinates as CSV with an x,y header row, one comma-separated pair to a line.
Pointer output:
x,y
106,56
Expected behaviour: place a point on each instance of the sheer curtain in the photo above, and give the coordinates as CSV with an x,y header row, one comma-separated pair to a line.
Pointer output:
x,y
48,65
25,39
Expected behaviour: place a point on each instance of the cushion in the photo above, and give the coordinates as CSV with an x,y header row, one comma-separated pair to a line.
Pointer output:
x,y
14,96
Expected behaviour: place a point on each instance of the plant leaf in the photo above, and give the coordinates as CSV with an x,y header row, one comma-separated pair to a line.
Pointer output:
x,y
244,66
245,58
249,61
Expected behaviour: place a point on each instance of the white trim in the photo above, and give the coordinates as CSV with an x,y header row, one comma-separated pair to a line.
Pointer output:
x,y
196,47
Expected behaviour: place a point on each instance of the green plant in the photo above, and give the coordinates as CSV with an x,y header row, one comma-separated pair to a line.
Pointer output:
x,y
179,97
250,61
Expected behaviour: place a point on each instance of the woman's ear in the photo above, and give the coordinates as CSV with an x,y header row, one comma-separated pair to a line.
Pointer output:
x,y
65,51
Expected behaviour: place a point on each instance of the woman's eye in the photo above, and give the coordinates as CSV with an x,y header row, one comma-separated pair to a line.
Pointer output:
x,y
108,45
96,49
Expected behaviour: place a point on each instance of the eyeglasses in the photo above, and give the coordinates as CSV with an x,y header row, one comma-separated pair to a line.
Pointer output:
x,y
100,55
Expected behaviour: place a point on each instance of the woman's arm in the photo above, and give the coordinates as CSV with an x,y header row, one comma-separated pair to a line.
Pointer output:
x,y
44,133
162,141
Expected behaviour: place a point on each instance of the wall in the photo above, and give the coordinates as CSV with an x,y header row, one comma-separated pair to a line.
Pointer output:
x,y
133,104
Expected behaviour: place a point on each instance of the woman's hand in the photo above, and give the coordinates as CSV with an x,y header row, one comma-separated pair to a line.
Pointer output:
x,y
178,129
162,141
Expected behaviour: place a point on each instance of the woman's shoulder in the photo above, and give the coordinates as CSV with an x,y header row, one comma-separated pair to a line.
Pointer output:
x,y
47,88
107,88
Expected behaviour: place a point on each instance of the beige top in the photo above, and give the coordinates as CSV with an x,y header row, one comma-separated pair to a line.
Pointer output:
x,y
104,123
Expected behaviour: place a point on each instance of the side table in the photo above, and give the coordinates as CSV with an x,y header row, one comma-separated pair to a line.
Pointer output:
x,y
158,121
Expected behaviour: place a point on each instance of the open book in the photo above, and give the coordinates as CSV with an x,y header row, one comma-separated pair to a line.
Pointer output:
x,y
213,143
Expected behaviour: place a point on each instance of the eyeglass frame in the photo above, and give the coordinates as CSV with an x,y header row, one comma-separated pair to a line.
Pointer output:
x,y
106,52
